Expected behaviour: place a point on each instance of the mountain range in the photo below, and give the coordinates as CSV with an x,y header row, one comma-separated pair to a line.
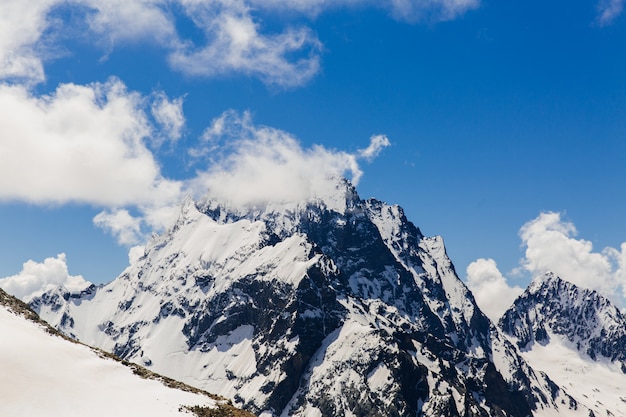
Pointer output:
x,y
341,307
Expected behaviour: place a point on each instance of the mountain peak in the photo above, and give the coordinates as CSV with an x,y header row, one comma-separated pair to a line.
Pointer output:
x,y
548,279
554,307
330,306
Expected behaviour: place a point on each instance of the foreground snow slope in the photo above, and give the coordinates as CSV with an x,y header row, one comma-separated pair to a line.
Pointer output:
x,y
47,375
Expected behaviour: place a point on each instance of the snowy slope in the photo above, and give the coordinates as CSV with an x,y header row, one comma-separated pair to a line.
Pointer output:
x,y
308,308
577,337
45,374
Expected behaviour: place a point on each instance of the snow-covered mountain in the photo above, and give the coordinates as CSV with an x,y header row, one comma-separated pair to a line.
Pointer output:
x,y
319,308
45,374
577,337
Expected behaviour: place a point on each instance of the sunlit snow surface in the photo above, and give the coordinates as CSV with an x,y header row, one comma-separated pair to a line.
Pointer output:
x,y
600,385
46,375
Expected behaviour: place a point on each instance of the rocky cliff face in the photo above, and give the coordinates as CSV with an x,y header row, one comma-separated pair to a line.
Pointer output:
x,y
317,308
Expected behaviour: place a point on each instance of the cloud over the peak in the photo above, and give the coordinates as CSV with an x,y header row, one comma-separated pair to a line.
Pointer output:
x,y
551,245
260,164
38,277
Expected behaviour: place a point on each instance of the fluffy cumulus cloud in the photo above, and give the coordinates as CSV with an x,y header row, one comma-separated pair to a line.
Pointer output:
x,y
261,165
81,144
490,288
90,144
551,245
37,277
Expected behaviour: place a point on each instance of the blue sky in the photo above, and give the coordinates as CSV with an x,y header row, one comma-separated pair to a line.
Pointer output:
x,y
496,113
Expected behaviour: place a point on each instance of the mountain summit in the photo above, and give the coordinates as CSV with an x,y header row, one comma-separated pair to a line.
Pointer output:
x,y
586,319
310,309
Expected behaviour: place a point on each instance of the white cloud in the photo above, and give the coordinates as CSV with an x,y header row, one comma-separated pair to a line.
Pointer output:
x,y
238,45
116,21
259,165
120,223
235,41
551,246
35,278
490,288
21,25
377,144
169,115
81,144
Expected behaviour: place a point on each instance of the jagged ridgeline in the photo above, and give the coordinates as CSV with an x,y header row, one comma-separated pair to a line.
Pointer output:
x,y
322,308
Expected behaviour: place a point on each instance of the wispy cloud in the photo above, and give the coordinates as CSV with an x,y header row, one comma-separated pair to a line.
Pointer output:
x,y
235,40
237,44
609,10
377,144
438,10
124,21
169,116
406,10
